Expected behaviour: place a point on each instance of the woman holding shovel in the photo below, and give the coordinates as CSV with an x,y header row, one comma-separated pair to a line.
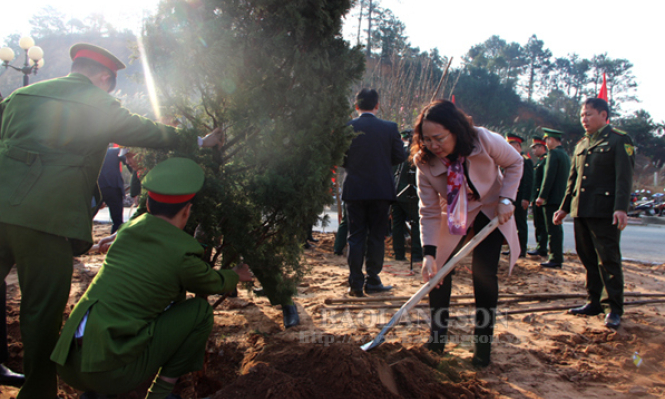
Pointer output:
x,y
461,189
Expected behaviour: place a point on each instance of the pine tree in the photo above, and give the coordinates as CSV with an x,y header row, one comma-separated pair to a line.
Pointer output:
x,y
276,77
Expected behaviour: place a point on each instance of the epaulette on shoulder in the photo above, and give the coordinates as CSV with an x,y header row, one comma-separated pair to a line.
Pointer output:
x,y
618,131
525,156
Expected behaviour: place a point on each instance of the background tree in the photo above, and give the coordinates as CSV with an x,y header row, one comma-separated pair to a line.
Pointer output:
x,y
275,77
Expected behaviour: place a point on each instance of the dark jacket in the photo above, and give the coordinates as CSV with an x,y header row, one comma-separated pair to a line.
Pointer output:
x,y
538,169
601,176
526,183
370,158
555,176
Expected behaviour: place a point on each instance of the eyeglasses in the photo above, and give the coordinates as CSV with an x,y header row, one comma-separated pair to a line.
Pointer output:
x,y
439,140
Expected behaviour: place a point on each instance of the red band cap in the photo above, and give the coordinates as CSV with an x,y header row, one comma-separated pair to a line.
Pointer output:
x,y
107,62
541,142
170,199
514,139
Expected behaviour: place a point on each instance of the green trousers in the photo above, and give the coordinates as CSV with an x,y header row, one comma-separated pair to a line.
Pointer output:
x,y
177,347
44,266
540,229
522,226
554,234
597,244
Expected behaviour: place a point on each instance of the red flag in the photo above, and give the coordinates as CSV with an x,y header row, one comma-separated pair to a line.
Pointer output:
x,y
603,90
453,99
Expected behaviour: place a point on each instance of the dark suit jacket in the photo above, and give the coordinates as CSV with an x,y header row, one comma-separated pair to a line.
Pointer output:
x,y
370,158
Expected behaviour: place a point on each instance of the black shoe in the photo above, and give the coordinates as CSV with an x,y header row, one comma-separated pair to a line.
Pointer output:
x,y
505,253
356,293
375,289
536,253
291,317
481,355
437,341
551,265
259,291
307,245
338,253
401,258
612,320
587,310
8,377
312,239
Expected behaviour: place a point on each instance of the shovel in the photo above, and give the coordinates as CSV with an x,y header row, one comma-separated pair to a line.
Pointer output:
x,y
432,283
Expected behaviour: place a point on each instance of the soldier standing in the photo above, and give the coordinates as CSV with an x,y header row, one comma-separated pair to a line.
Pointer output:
x,y
523,193
539,150
597,197
53,138
551,194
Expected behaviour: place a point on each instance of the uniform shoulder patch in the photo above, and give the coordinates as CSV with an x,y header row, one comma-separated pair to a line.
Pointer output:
x,y
630,149
618,131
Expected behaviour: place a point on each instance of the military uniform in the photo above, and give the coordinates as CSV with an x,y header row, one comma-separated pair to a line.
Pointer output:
x,y
538,216
523,193
599,184
552,190
133,321
53,138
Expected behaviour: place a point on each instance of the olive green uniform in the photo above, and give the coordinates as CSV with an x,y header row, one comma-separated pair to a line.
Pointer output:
x,y
599,184
53,138
538,216
523,193
552,190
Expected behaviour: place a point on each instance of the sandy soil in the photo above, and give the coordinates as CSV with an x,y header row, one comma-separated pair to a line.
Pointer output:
x,y
538,354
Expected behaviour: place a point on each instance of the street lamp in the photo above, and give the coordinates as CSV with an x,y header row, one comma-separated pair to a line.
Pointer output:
x,y
34,58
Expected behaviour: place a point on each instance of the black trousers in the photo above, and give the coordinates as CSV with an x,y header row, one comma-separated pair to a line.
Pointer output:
x,y
540,229
4,351
554,234
484,266
597,239
368,224
403,212
522,226
113,198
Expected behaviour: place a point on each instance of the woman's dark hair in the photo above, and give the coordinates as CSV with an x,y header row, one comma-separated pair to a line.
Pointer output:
x,y
446,114
156,208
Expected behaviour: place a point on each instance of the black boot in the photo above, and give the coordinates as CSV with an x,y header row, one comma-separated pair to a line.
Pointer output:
x,y
481,356
437,340
291,317
439,298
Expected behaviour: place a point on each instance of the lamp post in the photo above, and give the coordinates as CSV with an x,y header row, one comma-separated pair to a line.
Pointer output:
x,y
34,58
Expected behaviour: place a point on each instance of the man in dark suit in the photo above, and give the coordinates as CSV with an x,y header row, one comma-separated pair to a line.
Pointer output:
x,y
112,186
597,197
368,191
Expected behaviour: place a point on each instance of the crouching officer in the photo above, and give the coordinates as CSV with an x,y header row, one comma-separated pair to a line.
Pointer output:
x,y
134,321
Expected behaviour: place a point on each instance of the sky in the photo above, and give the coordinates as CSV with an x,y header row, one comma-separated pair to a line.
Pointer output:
x,y
583,27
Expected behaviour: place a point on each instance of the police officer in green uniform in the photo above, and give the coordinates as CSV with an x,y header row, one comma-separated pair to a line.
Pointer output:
x,y
597,197
53,138
523,193
134,321
539,150
552,190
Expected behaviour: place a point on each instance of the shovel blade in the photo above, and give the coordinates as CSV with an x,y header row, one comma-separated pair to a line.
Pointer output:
x,y
373,343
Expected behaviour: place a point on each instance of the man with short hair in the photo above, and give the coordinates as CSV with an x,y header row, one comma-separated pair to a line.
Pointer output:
x,y
539,151
523,193
555,175
597,197
368,191
133,320
53,138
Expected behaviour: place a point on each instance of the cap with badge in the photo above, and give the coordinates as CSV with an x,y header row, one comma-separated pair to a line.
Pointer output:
x,y
514,138
547,132
174,181
537,140
97,54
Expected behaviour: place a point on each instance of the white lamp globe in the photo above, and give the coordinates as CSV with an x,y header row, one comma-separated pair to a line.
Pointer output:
x,y
6,54
26,42
35,53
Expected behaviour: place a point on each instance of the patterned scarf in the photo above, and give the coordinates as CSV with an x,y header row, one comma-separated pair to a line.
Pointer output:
x,y
457,196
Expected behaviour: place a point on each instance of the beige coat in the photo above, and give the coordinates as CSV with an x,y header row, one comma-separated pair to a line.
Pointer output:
x,y
491,152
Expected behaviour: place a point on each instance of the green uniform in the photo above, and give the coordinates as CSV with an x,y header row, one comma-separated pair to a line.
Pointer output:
x,y
53,138
599,184
538,216
552,190
523,193
404,209
148,269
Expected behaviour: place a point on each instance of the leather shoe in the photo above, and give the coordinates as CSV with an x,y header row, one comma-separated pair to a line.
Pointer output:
x,y
587,310
8,377
612,320
312,239
536,253
551,265
505,253
375,289
356,293
402,258
291,317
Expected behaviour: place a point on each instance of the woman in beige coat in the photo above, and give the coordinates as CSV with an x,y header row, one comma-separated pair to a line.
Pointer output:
x,y
461,188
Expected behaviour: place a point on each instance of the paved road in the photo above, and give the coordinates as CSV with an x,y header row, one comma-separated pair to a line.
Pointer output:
x,y
643,243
